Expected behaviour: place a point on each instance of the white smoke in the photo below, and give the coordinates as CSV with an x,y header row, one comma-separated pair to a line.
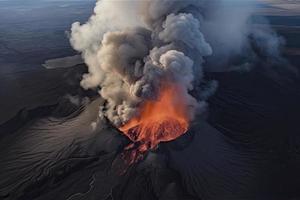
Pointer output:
x,y
132,46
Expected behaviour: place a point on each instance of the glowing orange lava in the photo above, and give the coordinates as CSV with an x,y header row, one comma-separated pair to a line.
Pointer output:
x,y
160,120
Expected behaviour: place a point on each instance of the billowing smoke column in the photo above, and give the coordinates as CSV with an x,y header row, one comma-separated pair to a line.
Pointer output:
x,y
129,60
132,47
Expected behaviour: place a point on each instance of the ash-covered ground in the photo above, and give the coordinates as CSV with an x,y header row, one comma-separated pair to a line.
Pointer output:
x,y
246,146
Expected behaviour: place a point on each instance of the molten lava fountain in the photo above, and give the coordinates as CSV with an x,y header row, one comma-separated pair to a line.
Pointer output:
x,y
160,120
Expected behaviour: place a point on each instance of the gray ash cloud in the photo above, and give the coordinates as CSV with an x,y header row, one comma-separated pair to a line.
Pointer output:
x,y
130,47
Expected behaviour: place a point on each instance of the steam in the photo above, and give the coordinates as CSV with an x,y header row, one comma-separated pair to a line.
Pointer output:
x,y
133,47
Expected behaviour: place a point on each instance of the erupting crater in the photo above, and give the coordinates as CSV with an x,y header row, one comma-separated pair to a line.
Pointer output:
x,y
160,120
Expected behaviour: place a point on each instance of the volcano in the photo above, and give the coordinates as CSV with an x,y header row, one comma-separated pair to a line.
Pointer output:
x,y
164,89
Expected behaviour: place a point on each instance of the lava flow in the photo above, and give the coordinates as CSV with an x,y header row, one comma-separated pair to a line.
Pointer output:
x,y
160,120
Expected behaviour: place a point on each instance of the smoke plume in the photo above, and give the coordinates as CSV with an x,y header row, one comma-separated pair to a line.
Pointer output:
x,y
132,47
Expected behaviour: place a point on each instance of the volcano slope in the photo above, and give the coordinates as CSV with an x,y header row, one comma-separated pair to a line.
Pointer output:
x,y
246,148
